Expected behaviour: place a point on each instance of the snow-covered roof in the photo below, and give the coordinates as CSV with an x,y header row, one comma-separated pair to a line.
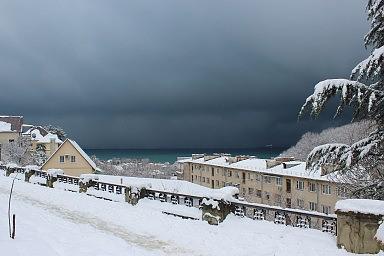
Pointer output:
x,y
36,135
16,123
290,168
365,206
5,127
83,154
172,186
79,149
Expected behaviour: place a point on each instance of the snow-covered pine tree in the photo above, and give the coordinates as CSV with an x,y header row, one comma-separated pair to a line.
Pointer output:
x,y
40,155
362,163
61,134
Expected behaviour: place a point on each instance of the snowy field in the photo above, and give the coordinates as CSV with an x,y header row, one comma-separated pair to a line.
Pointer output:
x,y
55,222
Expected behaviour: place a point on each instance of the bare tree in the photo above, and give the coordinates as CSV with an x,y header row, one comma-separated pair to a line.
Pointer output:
x,y
18,152
136,168
346,134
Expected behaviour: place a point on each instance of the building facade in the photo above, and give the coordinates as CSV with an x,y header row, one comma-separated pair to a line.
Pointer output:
x,y
39,137
10,130
70,158
279,182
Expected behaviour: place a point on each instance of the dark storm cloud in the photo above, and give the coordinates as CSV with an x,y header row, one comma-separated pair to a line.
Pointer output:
x,y
174,73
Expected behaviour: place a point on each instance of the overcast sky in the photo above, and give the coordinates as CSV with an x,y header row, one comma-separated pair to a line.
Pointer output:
x,y
172,73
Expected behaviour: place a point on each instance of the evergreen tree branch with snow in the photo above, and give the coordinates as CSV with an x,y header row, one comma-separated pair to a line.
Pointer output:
x,y
346,134
61,134
364,92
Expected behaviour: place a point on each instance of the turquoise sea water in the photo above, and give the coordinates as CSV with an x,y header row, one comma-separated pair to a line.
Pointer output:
x,y
170,155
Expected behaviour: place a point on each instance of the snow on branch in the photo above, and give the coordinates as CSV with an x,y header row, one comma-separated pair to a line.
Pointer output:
x,y
370,67
342,156
367,99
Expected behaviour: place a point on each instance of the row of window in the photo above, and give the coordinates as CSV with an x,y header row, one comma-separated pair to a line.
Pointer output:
x,y
312,206
312,187
63,159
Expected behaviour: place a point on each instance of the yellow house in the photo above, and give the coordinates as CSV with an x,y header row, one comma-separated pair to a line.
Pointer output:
x,y
39,136
70,158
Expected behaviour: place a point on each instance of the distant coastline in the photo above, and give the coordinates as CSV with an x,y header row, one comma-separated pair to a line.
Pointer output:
x,y
170,155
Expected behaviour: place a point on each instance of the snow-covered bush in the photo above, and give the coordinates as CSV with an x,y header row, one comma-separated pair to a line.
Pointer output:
x,y
17,151
364,92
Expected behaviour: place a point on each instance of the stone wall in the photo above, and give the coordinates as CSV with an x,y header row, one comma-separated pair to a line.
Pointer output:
x,y
356,232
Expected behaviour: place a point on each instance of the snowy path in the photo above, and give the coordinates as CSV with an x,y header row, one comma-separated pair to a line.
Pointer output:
x,y
147,242
64,223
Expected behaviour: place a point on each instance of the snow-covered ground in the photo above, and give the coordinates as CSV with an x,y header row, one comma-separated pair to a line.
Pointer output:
x,y
56,222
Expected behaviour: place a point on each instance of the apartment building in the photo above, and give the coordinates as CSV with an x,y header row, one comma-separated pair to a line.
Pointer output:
x,y
279,182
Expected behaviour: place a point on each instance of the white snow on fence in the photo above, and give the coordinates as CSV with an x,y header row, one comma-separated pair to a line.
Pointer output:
x,y
173,186
365,206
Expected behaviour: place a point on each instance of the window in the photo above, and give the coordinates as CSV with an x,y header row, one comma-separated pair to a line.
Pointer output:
x,y
267,195
267,179
73,159
326,209
207,180
61,159
249,176
192,178
229,173
243,191
258,193
279,181
312,206
300,203
326,189
257,177
217,183
203,179
250,191
277,199
342,192
312,187
300,185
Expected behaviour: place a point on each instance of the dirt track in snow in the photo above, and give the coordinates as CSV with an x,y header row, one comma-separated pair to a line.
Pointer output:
x,y
144,241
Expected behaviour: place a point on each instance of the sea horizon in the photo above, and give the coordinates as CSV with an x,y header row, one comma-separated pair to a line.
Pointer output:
x,y
162,155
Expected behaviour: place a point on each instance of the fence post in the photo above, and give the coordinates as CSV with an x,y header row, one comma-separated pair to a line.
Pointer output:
x,y
50,180
133,194
214,211
9,170
28,174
